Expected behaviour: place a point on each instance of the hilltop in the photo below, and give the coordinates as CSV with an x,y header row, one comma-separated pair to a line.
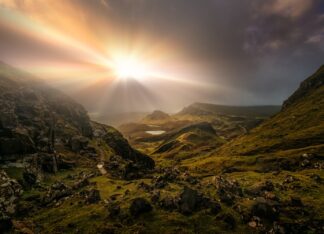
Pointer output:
x,y
246,111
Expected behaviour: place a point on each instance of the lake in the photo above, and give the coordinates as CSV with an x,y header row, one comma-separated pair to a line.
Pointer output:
x,y
157,132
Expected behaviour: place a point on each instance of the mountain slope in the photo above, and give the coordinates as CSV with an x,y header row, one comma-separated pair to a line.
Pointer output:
x,y
299,124
36,118
248,111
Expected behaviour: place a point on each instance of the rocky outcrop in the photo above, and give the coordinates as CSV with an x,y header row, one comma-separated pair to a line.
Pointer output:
x,y
10,191
34,116
126,162
139,206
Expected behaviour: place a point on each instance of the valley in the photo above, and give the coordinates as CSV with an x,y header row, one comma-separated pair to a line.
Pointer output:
x,y
206,169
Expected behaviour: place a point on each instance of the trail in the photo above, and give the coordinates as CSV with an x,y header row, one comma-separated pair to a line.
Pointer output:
x,y
101,164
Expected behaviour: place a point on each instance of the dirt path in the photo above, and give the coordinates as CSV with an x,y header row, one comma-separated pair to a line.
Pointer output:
x,y
101,164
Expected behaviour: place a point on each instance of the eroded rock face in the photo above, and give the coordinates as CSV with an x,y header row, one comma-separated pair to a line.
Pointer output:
x,y
33,115
10,191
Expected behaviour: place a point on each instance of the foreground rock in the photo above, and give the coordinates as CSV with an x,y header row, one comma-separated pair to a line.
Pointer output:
x,y
10,191
139,206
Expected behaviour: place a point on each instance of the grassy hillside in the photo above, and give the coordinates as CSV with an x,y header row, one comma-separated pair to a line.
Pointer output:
x,y
247,111
300,124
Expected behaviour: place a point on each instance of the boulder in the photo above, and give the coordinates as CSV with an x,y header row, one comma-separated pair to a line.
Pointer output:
x,y
227,190
29,178
139,206
5,223
113,209
168,203
10,190
295,201
91,196
189,200
265,209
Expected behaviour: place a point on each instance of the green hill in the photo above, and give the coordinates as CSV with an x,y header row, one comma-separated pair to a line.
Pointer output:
x,y
299,124
247,111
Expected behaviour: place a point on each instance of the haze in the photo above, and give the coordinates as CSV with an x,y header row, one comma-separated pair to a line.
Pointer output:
x,y
139,55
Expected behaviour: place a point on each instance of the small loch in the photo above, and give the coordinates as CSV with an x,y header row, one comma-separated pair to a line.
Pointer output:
x,y
155,132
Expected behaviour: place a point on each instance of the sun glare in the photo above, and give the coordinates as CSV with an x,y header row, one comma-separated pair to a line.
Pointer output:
x,y
130,68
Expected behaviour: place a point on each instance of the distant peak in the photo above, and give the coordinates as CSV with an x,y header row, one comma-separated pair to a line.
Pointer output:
x,y
157,115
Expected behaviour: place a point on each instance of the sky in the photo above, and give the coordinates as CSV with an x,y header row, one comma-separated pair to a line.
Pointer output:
x,y
140,55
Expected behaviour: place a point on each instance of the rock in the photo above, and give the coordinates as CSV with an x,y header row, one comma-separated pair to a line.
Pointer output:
x,y
78,143
130,171
260,189
295,201
144,187
47,162
270,196
252,224
139,206
81,183
57,191
19,142
64,163
227,190
290,179
264,209
155,196
29,178
10,191
168,203
189,200
226,197
316,178
92,196
113,209
215,208
229,220
5,223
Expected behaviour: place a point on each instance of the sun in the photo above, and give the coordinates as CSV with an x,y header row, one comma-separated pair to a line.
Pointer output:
x,y
128,67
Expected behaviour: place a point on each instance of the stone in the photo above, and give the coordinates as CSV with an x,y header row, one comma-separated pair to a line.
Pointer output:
x,y
113,209
316,178
229,220
296,201
189,200
155,196
252,224
144,187
168,203
10,191
227,190
92,196
139,206
81,183
215,208
264,209
5,223
57,191
78,143
29,178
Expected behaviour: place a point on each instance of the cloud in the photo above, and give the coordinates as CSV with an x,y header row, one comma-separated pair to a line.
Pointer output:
x,y
261,48
288,8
